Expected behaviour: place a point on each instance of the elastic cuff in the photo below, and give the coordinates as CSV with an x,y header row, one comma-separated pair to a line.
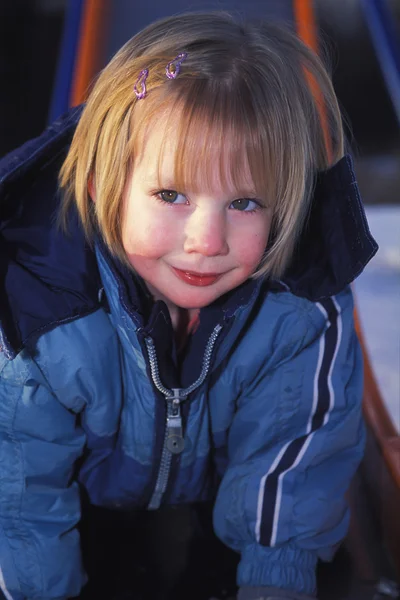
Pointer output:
x,y
284,568
268,593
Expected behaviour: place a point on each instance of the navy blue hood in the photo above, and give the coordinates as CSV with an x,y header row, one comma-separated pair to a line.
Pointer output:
x,y
48,277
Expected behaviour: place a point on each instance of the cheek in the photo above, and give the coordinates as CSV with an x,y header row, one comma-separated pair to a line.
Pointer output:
x,y
146,237
250,246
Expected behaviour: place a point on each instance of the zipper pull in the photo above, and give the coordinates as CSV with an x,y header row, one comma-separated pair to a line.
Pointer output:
x,y
175,442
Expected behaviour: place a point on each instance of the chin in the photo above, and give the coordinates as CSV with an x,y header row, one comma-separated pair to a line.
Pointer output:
x,y
193,301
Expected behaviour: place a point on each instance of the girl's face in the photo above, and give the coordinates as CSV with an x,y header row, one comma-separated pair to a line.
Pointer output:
x,y
190,248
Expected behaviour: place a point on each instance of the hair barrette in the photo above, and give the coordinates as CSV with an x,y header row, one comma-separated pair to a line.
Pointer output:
x,y
174,66
141,82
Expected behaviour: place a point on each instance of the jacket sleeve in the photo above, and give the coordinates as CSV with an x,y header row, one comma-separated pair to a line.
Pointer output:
x,y
39,503
294,443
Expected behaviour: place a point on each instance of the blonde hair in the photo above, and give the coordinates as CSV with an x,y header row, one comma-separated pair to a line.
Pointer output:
x,y
243,97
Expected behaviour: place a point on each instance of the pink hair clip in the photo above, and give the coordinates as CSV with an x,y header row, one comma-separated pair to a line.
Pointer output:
x,y
173,68
141,81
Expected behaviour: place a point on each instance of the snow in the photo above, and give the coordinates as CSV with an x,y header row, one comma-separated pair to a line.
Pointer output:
x,y
377,293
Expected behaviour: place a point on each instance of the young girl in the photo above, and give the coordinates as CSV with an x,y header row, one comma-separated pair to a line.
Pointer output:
x,y
176,324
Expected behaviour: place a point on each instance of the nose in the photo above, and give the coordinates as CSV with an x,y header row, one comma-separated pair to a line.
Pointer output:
x,y
205,234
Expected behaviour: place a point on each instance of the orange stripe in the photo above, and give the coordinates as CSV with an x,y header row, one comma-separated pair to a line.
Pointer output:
x,y
305,21
307,31
90,48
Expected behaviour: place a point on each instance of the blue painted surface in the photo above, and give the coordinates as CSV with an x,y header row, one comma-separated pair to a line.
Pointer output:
x,y
387,46
63,80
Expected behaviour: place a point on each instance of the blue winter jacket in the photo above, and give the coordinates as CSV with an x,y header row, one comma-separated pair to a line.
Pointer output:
x,y
263,411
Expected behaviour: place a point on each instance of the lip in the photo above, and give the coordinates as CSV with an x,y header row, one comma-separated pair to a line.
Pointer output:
x,y
197,279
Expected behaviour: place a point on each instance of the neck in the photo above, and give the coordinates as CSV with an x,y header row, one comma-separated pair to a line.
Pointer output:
x,y
183,322
181,318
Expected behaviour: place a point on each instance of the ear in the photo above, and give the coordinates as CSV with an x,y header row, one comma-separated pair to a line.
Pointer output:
x,y
92,188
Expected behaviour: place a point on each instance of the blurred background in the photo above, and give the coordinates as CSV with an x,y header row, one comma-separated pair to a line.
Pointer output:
x,y
41,40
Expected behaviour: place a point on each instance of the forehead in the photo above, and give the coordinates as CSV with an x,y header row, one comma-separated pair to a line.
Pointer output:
x,y
194,154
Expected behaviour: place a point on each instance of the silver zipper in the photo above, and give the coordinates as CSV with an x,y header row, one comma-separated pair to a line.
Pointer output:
x,y
174,442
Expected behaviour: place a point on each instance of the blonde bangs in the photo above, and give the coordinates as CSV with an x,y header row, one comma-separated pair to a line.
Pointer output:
x,y
221,138
220,142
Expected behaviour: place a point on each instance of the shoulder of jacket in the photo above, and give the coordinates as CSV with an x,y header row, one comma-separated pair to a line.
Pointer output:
x,y
77,342
277,332
288,306
285,323
75,361
85,337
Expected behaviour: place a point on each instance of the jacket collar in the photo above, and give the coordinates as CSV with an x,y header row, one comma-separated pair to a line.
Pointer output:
x,y
48,278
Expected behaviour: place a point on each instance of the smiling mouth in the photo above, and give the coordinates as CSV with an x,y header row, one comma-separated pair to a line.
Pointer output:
x,y
197,279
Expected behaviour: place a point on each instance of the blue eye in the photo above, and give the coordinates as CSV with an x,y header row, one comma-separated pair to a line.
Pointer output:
x,y
172,197
245,205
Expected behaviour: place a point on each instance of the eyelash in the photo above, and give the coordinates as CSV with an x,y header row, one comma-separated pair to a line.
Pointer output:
x,y
259,206
158,196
